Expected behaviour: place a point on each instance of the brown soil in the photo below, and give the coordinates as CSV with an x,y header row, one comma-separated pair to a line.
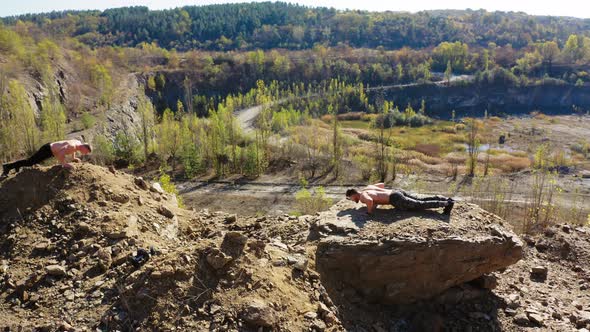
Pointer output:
x,y
66,239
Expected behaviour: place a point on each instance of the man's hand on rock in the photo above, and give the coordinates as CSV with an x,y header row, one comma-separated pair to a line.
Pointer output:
x,y
76,160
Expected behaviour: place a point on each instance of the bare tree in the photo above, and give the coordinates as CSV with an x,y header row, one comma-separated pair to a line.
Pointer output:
x,y
473,144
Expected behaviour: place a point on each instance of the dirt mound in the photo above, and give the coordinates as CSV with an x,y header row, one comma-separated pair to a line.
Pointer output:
x,y
89,249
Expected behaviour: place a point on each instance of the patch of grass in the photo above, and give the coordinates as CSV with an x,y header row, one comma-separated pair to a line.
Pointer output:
x,y
432,150
356,124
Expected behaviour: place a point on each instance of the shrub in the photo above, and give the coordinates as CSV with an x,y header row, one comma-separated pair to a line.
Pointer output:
x,y
581,148
351,116
88,120
308,202
103,152
365,165
170,188
127,147
406,118
449,129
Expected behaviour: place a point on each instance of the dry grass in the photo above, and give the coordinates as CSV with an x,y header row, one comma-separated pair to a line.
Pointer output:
x,y
431,150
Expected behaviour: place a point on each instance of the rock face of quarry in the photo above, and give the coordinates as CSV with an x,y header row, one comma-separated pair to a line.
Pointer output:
x,y
398,257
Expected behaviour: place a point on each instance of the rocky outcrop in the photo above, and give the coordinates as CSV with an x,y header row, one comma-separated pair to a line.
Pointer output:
x,y
497,99
396,257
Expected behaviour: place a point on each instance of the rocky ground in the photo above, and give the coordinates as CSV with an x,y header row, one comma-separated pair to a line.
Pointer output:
x,y
92,249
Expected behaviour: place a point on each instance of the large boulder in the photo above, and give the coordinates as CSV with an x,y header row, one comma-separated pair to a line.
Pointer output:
x,y
398,257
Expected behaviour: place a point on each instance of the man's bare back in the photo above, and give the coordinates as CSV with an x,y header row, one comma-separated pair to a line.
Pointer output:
x,y
62,149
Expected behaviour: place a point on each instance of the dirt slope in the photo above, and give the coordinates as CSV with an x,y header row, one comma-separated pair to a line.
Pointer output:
x,y
67,239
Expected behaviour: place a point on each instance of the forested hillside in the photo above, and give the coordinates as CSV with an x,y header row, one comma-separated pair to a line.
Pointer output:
x,y
167,83
272,25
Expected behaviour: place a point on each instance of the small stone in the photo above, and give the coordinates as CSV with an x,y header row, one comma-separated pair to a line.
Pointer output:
x,y
214,309
232,218
318,325
521,319
55,270
65,326
540,271
301,264
581,319
486,282
258,313
218,259
536,318
331,319
542,245
104,258
157,188
69,295
83,227
310,315
556,314
141,183
166,212
120,198
549,232
510,312
513,301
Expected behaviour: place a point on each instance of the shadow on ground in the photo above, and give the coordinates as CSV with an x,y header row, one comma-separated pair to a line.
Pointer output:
x,y
360,217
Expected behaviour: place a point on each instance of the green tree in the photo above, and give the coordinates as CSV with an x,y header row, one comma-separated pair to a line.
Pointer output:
x,y
126,146
53,115
449,72
101,78
21,126
549,52
147,121
168,137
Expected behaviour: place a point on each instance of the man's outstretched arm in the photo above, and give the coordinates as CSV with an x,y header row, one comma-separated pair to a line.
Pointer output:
x,y
61,157
380,185
365,198
74,158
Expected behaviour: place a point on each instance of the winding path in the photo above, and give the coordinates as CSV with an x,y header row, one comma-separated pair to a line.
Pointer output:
x,y
247,116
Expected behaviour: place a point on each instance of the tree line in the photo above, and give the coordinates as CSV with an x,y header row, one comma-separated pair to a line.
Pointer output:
x,y
269,25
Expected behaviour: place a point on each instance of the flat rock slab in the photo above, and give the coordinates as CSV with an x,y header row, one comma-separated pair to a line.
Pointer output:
x,y
401,257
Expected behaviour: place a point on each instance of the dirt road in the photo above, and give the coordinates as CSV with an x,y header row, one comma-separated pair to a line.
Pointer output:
x,y
247,116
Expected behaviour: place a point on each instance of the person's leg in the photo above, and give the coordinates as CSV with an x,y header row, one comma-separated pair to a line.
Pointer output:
x,y
398,199
38,157
41,155
428,198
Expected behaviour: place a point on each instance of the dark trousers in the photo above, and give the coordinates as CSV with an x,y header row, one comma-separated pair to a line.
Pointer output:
x,y
405,201
38,157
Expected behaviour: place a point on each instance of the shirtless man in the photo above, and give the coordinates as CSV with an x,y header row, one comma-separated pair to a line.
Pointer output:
x,y
59,150
376,194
